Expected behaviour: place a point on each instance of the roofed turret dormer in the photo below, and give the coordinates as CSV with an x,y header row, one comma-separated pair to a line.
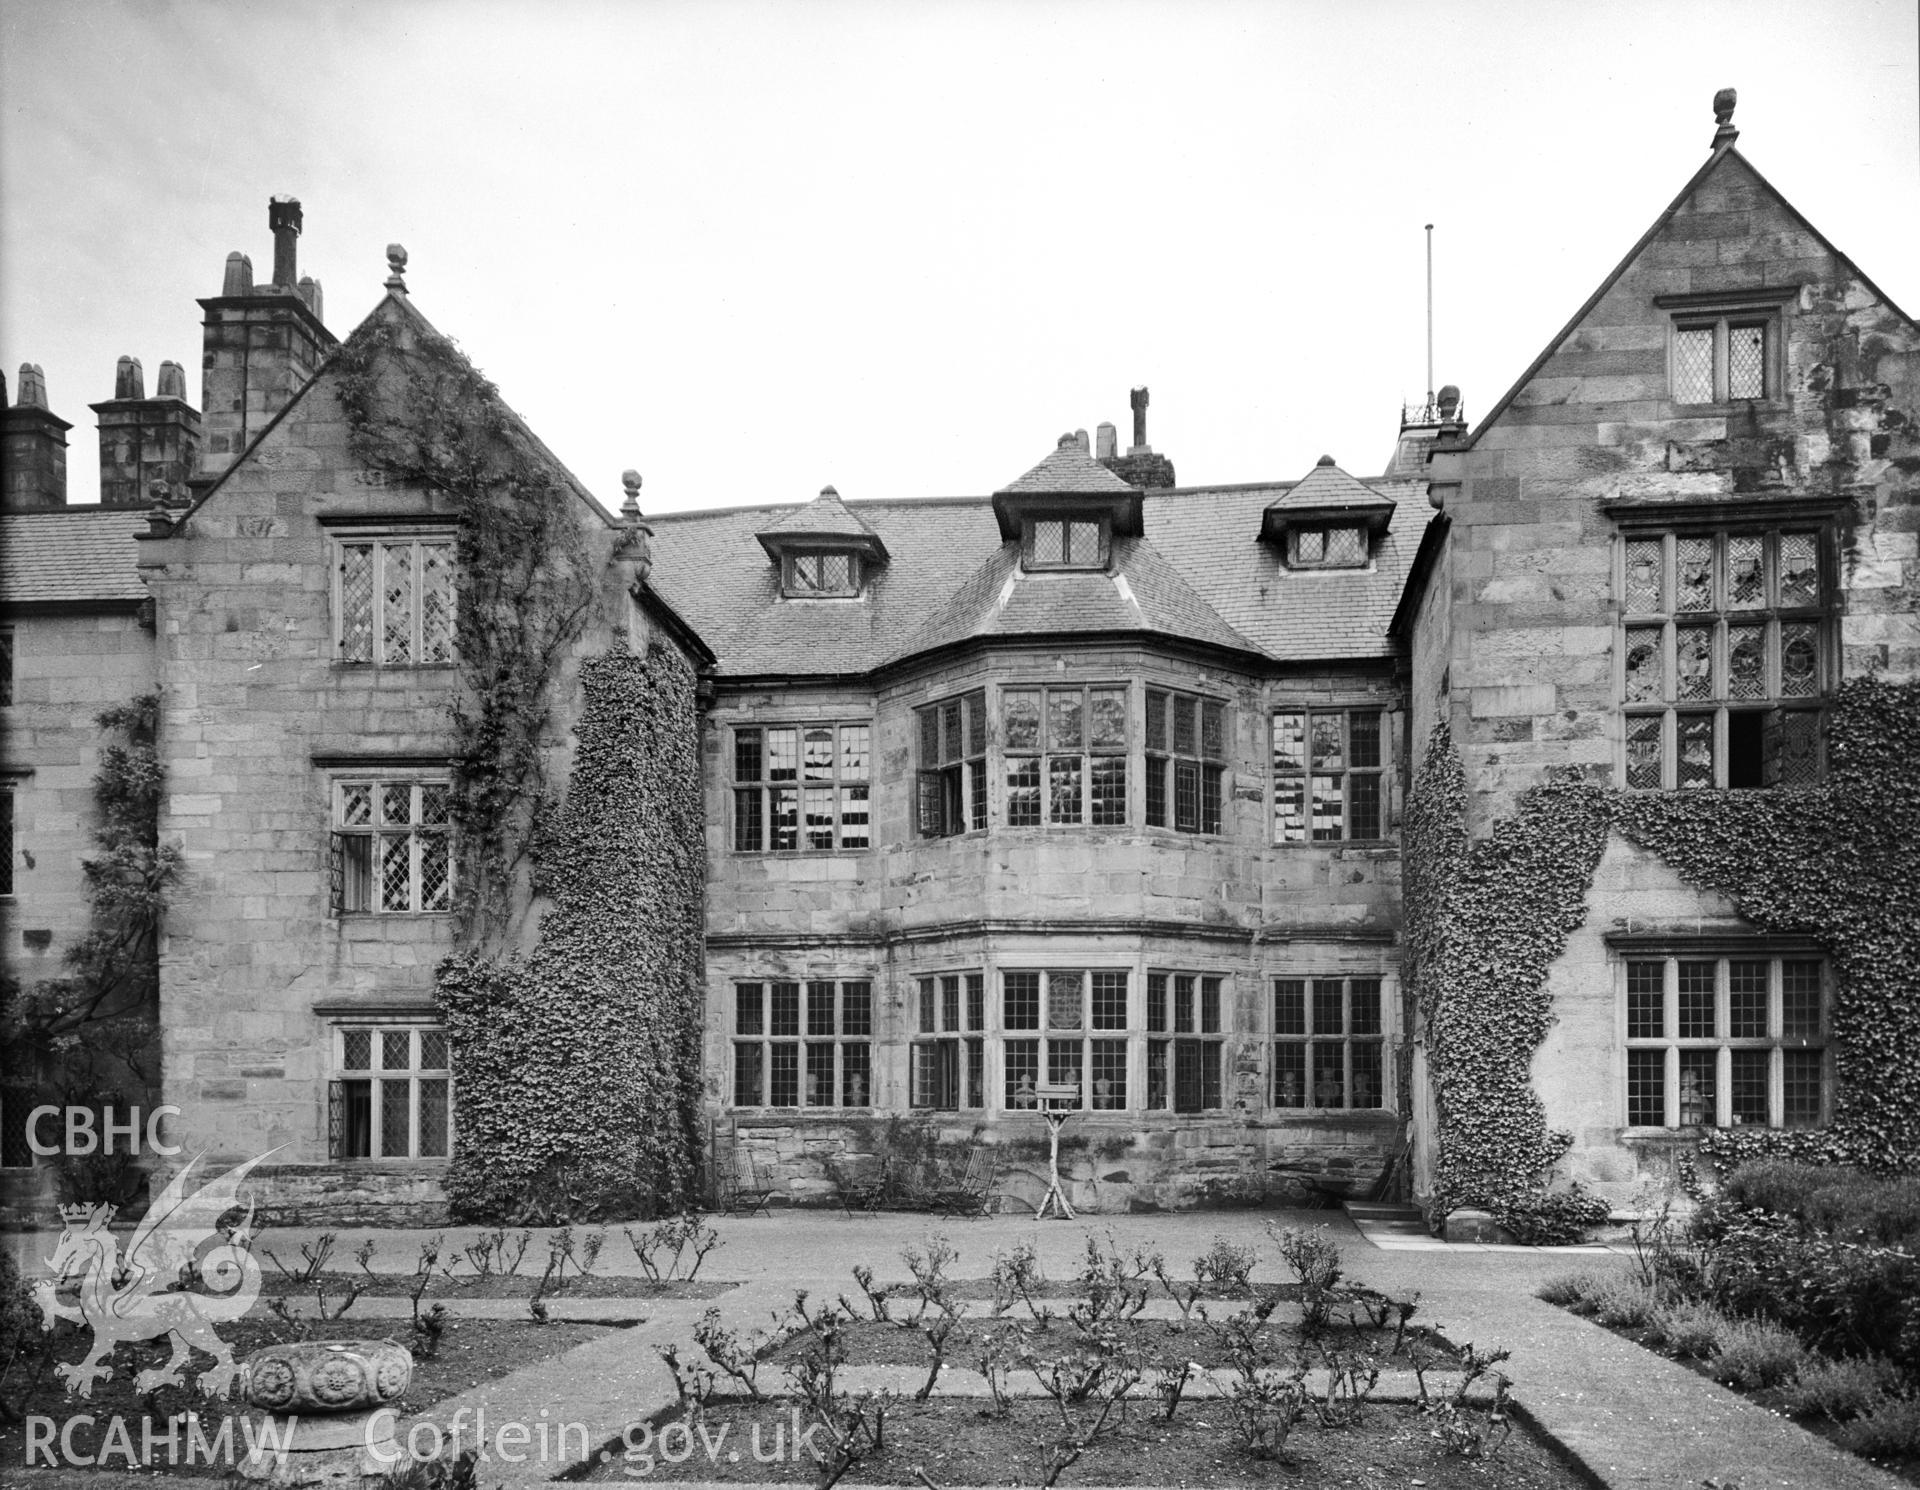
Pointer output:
x,y
1329,520
1067,510
824,551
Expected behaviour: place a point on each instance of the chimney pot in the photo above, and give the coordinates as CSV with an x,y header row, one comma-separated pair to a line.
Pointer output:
x,y
239,280
1080,441
1138,398
1106,441
129,379
284,219
173,382
33,387
310,292
1064,441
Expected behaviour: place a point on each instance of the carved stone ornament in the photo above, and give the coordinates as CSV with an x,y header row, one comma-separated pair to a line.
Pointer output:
x,y
326,1376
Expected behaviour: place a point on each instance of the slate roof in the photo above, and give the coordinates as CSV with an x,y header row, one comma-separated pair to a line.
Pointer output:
x,y
75,555
1326,485
1199,574
826,516
1068,471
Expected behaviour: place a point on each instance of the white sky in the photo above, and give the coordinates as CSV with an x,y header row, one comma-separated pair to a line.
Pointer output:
x,y
752,249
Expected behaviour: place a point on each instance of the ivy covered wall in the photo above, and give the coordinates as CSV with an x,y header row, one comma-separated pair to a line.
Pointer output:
x,y
1488,918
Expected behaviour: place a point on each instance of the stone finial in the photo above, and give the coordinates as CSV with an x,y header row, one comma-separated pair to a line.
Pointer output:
x,y
1449,404
396,267
239,280
1325,460
33,387
159,520
129,379
172,383
634,544
1723,103
630,509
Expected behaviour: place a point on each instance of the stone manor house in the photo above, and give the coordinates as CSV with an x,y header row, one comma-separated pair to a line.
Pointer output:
x,y
1096,781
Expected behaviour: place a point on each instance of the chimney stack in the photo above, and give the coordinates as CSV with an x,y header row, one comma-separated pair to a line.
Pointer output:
x,y
1106,441
35,446
1140,446
148,446
262,343
283,219
1139,466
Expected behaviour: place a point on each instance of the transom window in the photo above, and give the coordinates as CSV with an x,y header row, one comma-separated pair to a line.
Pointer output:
x,y
1184,1045
831,572
1067,1010
1716,1042
953,766
1723,658
1065,543
1066,752
1185,755
1328,763
392,848
1328,1043
1717,359
1327,546
392,1093
803,1044
801,786
948,1054
393,600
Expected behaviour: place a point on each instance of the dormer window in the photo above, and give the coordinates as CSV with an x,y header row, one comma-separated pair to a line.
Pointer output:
x,y
1335,546
1065,543
806,576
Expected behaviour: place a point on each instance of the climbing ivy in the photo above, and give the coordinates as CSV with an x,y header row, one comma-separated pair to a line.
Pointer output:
x,y
579,1062
525,587
1487,918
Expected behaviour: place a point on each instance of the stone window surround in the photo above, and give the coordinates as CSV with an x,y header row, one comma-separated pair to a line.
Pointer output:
x,y
1628,950
1032,521
1720,312
1324,564
424,839
1308,1035
379,1077
1186,1022
416,530
1382,773
1721,521
796,562
950,743
946,1057
762,791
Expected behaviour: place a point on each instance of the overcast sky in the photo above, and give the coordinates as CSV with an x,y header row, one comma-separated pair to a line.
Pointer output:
x,y
753,249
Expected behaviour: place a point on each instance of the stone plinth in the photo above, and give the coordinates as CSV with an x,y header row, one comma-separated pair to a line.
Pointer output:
x,y
329,1402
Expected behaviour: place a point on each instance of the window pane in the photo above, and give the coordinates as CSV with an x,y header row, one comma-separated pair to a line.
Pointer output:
x,y
746,755
856,1008
1368,1089
396,804
1156,1001
396,872
1109,781
1158,1088
976,1051
747,1090
1746,573
1022,1061
433,1118
1800,1000
1183,1003
1020,1001
1049,542
976,1002
856,1077
783,1075
1185,724
976,723
748,1009
396,1050
1108,707
1066,725
1364,809
1746,662
1366,1007
1643,752
1023,792
820,1008
819,816
853,817
1290,1075
1796,749
836,572
1644,682
1158,768
1213,731
1695,749
356,1050
1289,809
1799,660
1209,1006
929,737
1646,1088
1083,543
819,1089
1289,1006
1646,1000
749,824
396,1117
433,1050
952,731
1364,739
1063,1066
1329,742
1020,714
1186,796
1693,574
1747,361
1747,1000
783,754
1693,662
396,602
1310,545
1799,572
1289,742
949,1004
1189,1078
1328,1017
436,602
1329,808
935,1074
1697,1068
1109,1074
1210,781
1109,1001
1696,1000
1800,1088
783,814
929,1006
786,1009
855,743
1063,1001
1063,789
1693,365
977,794
1645,557
1156,720
1329,1075
1749,1094
356,602
356,805
1346,546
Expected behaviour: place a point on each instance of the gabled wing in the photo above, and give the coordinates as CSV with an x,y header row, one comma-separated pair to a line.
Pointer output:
x,y
178,1223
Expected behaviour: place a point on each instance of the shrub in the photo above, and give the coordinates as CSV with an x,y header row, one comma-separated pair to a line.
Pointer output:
x,y
1752,1354
1556,1218
1782,1186
1839,1389
1572,1290
1883,1211
1891,1428
1688,1328
1845,1298
1624,1303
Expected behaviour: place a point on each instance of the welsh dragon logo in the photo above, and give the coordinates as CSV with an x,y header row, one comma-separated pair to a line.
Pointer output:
x,y
182,1274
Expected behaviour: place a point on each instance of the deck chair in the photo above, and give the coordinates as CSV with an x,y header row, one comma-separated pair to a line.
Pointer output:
x,y
859,1190
748,1189
972,1192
